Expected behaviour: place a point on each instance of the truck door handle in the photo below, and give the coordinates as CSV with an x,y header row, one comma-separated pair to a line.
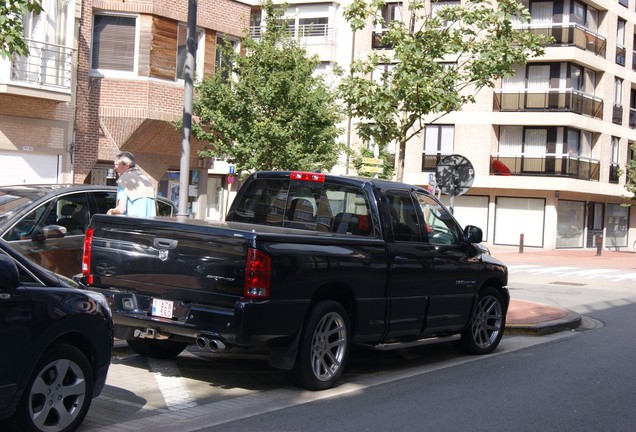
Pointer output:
x,y
400,260
162,243
439,261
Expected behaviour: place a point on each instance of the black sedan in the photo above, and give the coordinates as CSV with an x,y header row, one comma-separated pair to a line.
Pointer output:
x,y
58,343
46,223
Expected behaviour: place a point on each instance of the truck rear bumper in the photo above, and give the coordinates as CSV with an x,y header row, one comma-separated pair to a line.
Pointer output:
x,y
248,324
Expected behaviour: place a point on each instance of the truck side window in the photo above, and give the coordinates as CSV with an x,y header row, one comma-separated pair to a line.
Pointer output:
x,y
344,210
440,227
403,216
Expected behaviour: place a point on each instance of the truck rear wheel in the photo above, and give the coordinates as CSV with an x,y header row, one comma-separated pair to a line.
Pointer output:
x,y
487,324
161,349
324,347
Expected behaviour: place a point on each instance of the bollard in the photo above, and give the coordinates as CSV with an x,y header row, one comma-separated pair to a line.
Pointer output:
x,y
521,243
599,244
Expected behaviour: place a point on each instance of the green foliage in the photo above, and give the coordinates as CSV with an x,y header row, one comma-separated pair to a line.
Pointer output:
x,y
11,28
387,162
630,169
266,109
439,64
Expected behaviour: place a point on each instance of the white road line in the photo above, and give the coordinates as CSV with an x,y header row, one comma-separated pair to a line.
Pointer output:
x,y
168,378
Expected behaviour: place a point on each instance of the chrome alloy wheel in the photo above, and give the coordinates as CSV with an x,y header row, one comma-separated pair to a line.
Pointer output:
x,y
328,346
57,395
488,321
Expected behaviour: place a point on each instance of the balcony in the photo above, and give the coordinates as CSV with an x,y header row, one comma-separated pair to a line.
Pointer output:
x,y
614,173
549,101
621,52
376,42
548,165
429,162
570,34
311,34
617,114
48,67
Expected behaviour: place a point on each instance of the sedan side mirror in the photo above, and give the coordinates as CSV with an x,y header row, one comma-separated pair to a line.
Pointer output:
x,y
9,276
473,234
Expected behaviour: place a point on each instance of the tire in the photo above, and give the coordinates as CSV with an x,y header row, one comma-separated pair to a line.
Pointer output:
x,y
59,392
324,347
160,349
487,324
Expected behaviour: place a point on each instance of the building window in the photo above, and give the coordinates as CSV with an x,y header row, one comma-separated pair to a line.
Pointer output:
x,y
617,112
620,42
438,142
570,224
182,35
617,224
391,12
222,60
114,43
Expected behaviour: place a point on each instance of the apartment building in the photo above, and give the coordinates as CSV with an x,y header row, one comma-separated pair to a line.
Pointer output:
x,y
36,101
105,76
548,146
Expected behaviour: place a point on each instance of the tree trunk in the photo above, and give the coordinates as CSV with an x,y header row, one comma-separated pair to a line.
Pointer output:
x,y
399,161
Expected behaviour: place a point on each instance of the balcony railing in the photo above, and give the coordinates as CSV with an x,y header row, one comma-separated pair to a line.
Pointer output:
x,y
47,66
550,100
310,33
429,162
621,52
614,173
376,42
570,34
548,165
617,114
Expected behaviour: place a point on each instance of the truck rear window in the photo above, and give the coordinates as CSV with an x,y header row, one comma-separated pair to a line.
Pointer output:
x,y
312,206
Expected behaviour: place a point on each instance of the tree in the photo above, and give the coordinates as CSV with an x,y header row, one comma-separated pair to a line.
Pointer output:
x,y
437,63
11,28
267,109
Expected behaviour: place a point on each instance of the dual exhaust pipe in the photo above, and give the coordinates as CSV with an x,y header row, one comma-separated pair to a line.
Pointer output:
x,y
210,344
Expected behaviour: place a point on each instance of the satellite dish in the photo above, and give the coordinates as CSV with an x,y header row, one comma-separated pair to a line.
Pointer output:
x,y
454,175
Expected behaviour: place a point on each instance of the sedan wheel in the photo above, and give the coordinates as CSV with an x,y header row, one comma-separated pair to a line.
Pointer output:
x,y
59,392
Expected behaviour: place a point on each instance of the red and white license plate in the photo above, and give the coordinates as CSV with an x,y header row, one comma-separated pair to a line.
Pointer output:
x,y
162,308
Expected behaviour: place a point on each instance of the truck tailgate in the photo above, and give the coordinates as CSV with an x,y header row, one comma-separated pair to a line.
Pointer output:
x,y
196,262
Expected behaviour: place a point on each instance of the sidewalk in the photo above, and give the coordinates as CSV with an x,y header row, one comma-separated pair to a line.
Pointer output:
x,y
534,318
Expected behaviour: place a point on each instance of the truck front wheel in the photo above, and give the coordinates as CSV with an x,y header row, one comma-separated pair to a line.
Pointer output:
x,y
160,349
324,347
487,323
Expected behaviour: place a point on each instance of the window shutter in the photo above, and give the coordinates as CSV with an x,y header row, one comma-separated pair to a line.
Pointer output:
x,y
114,43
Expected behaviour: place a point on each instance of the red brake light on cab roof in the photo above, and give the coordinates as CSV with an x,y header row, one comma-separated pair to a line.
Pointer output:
x,y
307,176
258,275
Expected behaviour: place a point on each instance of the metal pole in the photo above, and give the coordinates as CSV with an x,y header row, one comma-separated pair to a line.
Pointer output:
x,y
188,91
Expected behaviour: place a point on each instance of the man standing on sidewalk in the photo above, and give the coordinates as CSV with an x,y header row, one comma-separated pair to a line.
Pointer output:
x,y
135,191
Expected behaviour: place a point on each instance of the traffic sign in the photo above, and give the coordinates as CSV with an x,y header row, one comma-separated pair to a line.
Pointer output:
x,y
371,169
230,179
372,161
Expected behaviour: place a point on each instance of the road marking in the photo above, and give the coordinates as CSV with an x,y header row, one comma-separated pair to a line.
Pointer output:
x,y
613,275
168,378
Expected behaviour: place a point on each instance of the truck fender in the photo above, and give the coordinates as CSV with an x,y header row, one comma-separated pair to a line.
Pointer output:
x,y
284,357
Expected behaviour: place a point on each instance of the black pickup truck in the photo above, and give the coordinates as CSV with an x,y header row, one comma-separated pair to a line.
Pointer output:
x,y
304,265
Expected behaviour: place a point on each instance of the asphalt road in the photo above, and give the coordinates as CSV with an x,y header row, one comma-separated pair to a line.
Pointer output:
x,y
577,380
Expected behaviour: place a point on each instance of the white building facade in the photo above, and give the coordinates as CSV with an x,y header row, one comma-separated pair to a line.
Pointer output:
x,y
549,146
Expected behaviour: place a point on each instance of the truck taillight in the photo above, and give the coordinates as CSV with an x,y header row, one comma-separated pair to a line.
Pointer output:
x,y
86,257
307,176
258,274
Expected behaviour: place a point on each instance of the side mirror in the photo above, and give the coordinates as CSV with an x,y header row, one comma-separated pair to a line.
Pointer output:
x,y
473,234
54,231
9,276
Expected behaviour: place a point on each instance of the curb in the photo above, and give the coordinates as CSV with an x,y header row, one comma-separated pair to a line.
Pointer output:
x,y
571,321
